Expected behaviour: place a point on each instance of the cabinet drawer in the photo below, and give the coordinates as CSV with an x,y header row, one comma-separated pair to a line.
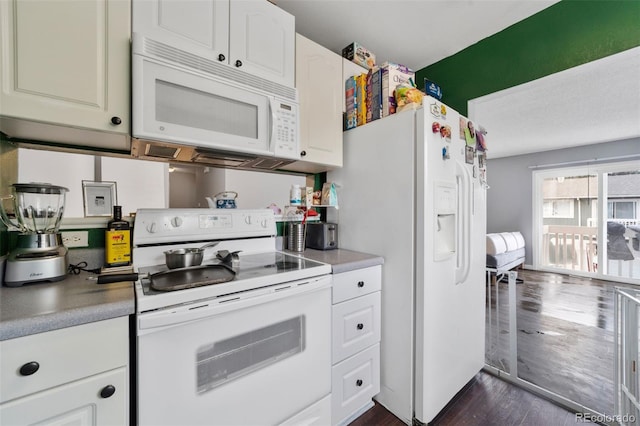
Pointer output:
x,y
355,381
76,403
356,325
62,356
356,283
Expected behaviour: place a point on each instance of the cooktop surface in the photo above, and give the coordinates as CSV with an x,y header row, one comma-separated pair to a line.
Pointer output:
x,y
263,268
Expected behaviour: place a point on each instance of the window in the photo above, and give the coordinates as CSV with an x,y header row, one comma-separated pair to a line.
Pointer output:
x,y
558,209
621,209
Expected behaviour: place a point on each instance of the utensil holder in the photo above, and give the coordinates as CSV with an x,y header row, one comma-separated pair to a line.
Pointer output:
x,y
296,232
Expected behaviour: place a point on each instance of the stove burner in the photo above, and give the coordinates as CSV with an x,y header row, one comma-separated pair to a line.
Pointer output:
x,y
180,279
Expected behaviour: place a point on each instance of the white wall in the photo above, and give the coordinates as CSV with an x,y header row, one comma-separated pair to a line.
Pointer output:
x,y
178,197
139,183
257,190
57,168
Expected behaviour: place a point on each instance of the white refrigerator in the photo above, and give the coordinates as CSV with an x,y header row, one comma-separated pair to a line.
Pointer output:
x,y
412,189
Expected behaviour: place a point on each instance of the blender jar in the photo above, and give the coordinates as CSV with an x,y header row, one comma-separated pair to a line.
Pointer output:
x,y
38,207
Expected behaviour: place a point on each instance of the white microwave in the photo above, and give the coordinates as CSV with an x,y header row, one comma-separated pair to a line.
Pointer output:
x,y
186,106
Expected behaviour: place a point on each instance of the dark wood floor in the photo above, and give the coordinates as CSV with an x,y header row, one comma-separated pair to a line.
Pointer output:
x,y
487,400
565,336
565,344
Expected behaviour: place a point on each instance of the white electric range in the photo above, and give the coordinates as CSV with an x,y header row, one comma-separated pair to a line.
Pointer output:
x,y
252,349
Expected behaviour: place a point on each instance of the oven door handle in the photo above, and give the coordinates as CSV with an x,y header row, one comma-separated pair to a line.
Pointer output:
x,y
153,321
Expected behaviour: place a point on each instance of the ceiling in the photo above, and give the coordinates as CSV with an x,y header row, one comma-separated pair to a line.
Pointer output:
x,y
414,33
591,103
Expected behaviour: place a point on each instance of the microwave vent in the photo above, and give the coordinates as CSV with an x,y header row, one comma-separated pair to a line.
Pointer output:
x,y
169,53
161,151
268,163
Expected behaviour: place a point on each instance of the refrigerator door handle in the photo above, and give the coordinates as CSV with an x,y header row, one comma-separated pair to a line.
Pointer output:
x,y
465,195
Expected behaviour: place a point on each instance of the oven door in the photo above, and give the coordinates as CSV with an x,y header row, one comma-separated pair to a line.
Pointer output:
x,y
237,360
175,105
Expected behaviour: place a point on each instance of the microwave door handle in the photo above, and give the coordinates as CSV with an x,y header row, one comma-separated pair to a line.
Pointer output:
x,y
273,120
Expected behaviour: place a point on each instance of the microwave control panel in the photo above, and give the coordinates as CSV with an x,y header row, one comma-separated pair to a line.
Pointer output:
x,y
286,129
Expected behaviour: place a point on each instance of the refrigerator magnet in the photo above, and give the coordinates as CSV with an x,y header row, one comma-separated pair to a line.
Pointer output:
x,y
435,127
470,134
463,125
469,154
435,110
481,160
445,153
445,132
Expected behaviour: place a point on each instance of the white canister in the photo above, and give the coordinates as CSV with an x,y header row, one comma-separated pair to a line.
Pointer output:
x,y
295,196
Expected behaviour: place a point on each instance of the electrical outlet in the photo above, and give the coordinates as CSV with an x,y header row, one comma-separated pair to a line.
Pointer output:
x,y
75,238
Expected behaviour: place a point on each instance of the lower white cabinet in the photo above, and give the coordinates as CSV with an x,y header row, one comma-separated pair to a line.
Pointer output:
x,y
356,321
74,375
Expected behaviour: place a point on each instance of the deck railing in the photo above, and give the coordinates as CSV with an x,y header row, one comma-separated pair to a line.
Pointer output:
x,y
570,247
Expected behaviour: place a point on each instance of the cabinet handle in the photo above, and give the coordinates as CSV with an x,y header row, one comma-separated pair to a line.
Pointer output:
x,y
29,368
359,382
303,153
238,63
360,326
107,391
221,57
116,121
360,284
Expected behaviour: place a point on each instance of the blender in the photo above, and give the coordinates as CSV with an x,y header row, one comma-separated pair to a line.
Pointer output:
x,y
39,254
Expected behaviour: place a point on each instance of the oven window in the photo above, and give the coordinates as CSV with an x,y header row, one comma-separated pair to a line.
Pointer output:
x,y
226,360
194,108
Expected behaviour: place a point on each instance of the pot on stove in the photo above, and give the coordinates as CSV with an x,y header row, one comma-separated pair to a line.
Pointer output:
x,y
186,257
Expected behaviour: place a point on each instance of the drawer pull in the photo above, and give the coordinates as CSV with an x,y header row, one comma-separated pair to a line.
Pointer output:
x,y
107,391
29,368
359,382
360,326
360,284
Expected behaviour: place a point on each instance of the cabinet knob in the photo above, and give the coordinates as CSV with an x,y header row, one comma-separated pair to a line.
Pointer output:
x,y
303,153
359,382
238,63
360,284
29,368
360,326
221,57
116,121
107,391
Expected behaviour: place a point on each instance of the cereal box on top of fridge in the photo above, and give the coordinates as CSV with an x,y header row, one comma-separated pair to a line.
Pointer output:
x,y
351,103
393,75
357,53
361,96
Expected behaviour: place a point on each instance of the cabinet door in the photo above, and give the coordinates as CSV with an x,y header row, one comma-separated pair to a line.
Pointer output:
x,y
262,40
320,93
355,381
66,62
84,402
356,325
198,27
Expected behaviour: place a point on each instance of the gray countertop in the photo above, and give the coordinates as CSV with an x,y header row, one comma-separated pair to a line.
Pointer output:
x,y
341,260
40,307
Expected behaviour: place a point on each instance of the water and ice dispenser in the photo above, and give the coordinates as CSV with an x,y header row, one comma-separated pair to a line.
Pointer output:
x,y
445,210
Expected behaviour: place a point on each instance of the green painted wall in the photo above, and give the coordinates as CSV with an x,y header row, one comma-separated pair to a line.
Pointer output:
x,y
565,35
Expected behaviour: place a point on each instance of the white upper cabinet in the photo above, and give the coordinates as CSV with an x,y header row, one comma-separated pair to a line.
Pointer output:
x,y
253,36
66,62
320,90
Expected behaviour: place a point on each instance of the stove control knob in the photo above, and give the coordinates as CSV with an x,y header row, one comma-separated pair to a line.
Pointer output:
x,y
176,222
263,223
151,228
248,220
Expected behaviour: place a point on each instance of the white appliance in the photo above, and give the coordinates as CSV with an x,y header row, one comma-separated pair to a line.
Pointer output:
x,y
182,99
428,221
252,350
